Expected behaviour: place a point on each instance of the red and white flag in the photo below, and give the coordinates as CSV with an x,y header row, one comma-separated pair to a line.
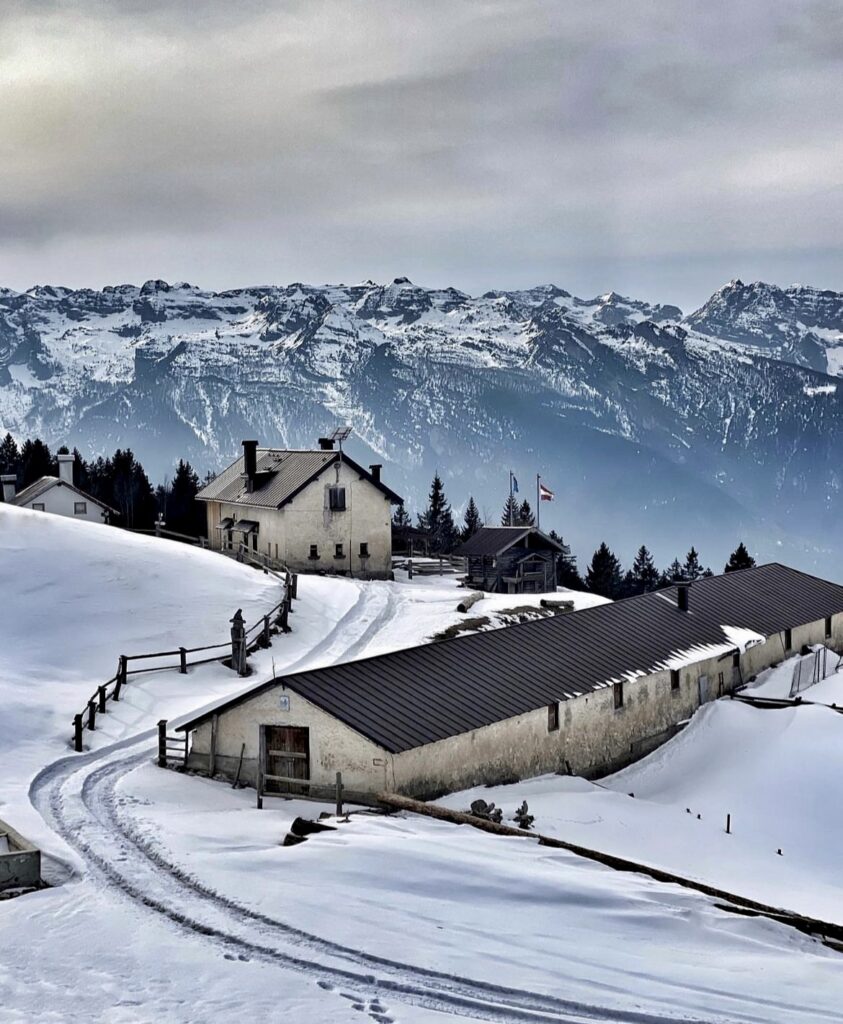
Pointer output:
x,y
545,493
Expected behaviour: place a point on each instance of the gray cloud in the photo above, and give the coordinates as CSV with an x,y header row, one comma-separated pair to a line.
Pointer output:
x,y
656,147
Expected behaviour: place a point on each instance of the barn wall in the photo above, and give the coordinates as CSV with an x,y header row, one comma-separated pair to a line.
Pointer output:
x,y
334,747
288,533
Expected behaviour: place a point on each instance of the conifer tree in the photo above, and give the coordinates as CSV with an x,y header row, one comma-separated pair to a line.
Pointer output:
x,y
511,511
692,569
674,573
438,520
605,575
567,574
643,576
401,518
9,455
471,520
525,515
739,559
182,512
36,461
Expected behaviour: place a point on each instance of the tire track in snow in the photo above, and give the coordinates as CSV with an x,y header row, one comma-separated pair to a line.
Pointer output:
x,y
89,821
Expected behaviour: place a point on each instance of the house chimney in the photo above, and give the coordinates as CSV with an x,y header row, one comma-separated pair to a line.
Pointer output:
x,y
66,469
375,470
250,463
326,444
8,480
682,592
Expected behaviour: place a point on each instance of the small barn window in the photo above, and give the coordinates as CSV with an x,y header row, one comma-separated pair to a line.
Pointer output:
x,y
364,549
336,499
828,628
38,506
617,692
552,717
80,508
314,551
674,679
788,639
338,551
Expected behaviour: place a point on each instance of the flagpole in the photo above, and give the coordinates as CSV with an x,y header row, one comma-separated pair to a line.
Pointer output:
x,y
511,523
538,504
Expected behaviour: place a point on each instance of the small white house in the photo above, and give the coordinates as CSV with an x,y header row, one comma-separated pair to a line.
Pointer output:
x,y
59,495
309,510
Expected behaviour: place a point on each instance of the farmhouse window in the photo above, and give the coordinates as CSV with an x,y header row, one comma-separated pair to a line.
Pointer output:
x,y
38,506
552,717
336,499
338,551
828,628
364,549
617,692
314,551
674,679
80,508
788,639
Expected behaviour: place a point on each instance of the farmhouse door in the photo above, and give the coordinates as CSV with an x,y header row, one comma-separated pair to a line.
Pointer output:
x,y
288,756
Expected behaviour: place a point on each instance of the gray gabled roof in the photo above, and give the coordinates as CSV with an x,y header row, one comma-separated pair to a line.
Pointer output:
x,y
281,475
408,698
46,483
494,540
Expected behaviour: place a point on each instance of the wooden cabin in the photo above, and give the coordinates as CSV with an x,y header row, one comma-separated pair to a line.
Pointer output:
x,y
510,560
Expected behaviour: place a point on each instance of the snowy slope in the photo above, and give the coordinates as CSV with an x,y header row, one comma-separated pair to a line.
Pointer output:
x,y
710,429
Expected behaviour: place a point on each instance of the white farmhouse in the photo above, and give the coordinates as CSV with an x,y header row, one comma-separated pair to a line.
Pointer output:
x,y
59,495
310,510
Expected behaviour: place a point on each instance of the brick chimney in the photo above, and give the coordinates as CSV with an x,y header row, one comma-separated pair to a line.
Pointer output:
x,y
66,469
9,482
375,470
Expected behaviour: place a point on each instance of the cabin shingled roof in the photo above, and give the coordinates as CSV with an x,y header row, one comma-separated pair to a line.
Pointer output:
x,y
281,474
408,698
494,540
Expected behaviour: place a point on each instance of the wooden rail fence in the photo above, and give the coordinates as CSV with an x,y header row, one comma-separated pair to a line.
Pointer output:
x,y
243,642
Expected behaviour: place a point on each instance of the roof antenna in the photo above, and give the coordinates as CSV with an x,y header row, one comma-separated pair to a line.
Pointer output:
x,y
339,435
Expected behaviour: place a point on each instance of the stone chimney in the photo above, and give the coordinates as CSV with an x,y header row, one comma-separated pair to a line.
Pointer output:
x,y
250,463
9,481
66,469
375,470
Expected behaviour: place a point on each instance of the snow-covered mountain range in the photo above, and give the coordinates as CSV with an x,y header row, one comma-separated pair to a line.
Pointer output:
x,y
649,426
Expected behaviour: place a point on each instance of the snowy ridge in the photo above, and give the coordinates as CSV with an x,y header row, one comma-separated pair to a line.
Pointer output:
x,y
730,412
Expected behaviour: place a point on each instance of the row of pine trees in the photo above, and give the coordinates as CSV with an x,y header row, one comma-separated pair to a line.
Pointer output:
x,y
118,481
604,575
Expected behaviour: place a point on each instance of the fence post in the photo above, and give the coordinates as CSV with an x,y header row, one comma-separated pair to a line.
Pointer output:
x,y
266,641
77,733
162,743
339,794
283,612
122,668
102,699
294,592
728,824
183,661
92,714
238,644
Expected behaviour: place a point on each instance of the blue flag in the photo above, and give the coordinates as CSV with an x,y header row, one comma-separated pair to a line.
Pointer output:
x,y
514,484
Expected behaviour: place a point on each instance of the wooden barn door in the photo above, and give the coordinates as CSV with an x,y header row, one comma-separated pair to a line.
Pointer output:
x,y
288,755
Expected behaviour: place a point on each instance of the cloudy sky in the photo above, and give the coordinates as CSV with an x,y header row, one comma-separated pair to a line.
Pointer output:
x,y
657,147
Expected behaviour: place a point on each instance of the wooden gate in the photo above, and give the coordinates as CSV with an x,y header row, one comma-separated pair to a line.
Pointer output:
x,y
286,757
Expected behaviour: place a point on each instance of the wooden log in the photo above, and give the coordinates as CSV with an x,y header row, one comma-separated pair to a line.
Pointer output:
x,y
77,733
469,600
162,743
557,603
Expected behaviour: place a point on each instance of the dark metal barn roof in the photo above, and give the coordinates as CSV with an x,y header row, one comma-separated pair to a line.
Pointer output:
x,y
408,698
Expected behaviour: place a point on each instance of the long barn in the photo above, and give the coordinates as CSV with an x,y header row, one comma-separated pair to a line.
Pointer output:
x,y
585,692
